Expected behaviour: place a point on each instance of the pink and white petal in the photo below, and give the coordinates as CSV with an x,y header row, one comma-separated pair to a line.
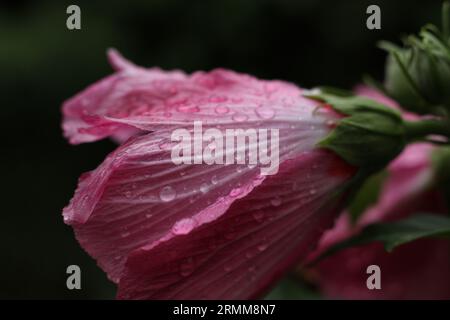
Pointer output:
x,y
240,252
138,194
130,90
151,99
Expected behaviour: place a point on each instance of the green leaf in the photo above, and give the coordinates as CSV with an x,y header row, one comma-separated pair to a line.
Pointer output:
x,y
394,234
367,195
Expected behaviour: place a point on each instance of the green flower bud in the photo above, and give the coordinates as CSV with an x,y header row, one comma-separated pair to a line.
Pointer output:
x,y
418,75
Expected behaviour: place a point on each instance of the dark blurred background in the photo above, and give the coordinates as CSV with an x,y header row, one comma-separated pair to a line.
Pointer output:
x,y
42,63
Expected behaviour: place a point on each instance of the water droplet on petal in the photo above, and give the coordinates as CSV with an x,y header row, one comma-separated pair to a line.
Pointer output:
x,y
128,194
222,109
259,216
148,215
188,109
215,98
312,191
125,234
167,194
275,202
240,117
262,247
214,179
183,226
265,112
235,192
204,188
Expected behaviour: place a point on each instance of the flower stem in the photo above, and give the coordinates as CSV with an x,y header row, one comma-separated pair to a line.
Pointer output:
x,y
418,130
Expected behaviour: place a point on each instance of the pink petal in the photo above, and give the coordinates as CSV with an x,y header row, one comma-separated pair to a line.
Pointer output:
x,y
418,270
151,99
239,253
118,207
138,204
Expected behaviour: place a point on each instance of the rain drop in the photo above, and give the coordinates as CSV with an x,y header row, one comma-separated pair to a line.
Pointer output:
x,y
125,234
218,99
239,117
128,194
275,202
188,109
167,194
204,188
259,216
222,109
183,226
265,112
262,247
235,192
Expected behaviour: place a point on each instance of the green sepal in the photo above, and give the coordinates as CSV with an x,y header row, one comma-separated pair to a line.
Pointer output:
x,y
369,136
418,74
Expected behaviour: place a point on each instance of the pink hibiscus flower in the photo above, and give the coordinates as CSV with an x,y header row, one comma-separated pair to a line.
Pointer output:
x,y
417,270
162,230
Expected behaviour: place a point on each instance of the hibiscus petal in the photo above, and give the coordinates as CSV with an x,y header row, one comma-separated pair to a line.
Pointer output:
x,y
240,252
151,99
137,194
417,270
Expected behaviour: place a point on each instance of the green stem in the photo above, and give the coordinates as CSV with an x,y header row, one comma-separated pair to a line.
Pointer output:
x,y
418,130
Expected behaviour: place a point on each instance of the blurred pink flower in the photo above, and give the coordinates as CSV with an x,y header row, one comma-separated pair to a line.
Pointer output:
x,y
161,230
417,270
